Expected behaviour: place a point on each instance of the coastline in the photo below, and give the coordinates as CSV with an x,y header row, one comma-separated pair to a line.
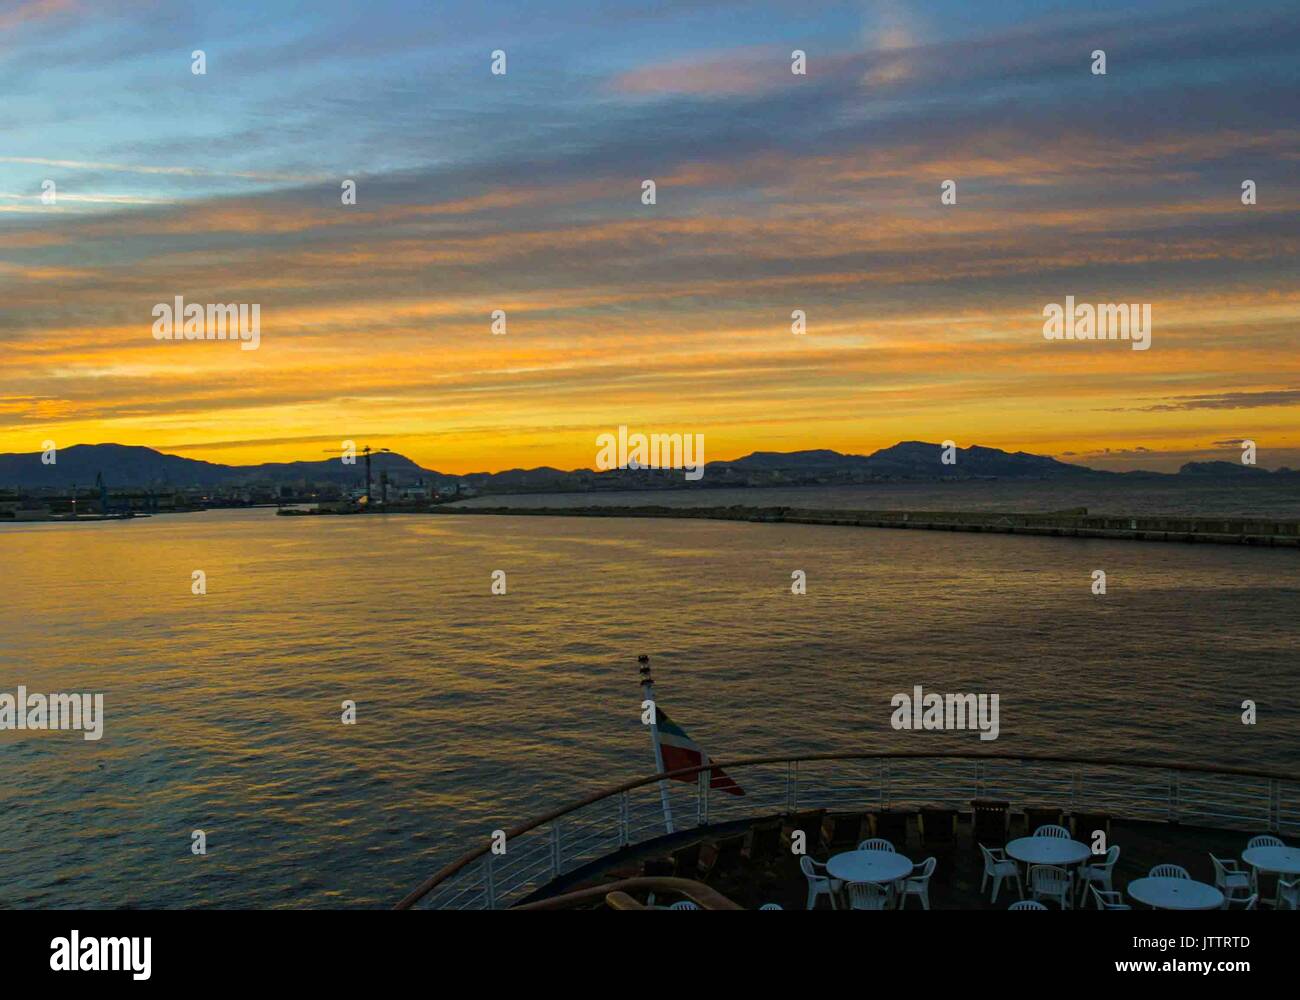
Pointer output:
x,y
1267,532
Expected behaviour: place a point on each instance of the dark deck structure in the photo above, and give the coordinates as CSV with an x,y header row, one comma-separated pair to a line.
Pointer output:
x,y
675,825
752,878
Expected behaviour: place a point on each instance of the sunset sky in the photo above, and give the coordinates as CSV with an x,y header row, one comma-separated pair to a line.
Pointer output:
x,y
775,193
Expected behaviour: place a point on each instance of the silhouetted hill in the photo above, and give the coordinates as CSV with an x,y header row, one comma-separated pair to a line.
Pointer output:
x,y
132,466
122,465
1222,469
821,458
920,459
332,470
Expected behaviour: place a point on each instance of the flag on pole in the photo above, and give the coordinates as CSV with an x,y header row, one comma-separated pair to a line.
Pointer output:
x,y
680,751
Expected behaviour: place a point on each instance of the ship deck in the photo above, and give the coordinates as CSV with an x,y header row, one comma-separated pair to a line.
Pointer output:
x,y
745,847
755,877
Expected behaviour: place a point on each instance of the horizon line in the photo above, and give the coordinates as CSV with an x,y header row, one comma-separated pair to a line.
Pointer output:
x,y
797,451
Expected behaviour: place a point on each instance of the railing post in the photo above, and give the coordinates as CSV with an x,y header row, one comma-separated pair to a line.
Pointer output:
x,y
702,782
794,789
1076,790
1274,806
979,779
489,881
1173,797
555,848
789,786
887,788
624,819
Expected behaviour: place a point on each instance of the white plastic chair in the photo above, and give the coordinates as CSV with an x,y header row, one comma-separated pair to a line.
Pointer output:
x,y
771,906
998,866
1250,902
1052,830
918,884
1168,871
1027,904
1107,899
877,844
868,896
1050,882
1263,840
819,883
1229,877
684,904
1288,894
1100,873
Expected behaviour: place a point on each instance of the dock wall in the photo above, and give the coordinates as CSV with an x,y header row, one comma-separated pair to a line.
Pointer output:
x,y
1231,531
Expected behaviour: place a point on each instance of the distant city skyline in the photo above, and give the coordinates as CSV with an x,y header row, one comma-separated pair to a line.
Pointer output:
x,y
776,193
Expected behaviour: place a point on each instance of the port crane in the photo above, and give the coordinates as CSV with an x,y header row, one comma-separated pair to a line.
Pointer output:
x,y
365,451
103,495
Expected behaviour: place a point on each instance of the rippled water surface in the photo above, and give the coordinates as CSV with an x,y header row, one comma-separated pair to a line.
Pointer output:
x,y
477,710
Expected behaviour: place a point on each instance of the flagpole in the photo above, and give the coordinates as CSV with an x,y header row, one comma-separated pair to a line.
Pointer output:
x,y
648,689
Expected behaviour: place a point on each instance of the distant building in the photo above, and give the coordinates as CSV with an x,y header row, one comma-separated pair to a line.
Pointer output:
x,y
415,491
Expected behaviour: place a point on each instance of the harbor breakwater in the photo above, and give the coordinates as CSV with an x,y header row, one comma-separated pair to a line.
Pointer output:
x,y
1072,524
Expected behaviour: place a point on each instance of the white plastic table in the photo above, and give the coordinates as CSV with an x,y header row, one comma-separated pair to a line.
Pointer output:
x,y
1175,894
869,866
1279,860
1048,851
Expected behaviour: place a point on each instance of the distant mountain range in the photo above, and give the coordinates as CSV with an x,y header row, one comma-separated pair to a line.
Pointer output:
x,y
134,466
127,466
909,460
